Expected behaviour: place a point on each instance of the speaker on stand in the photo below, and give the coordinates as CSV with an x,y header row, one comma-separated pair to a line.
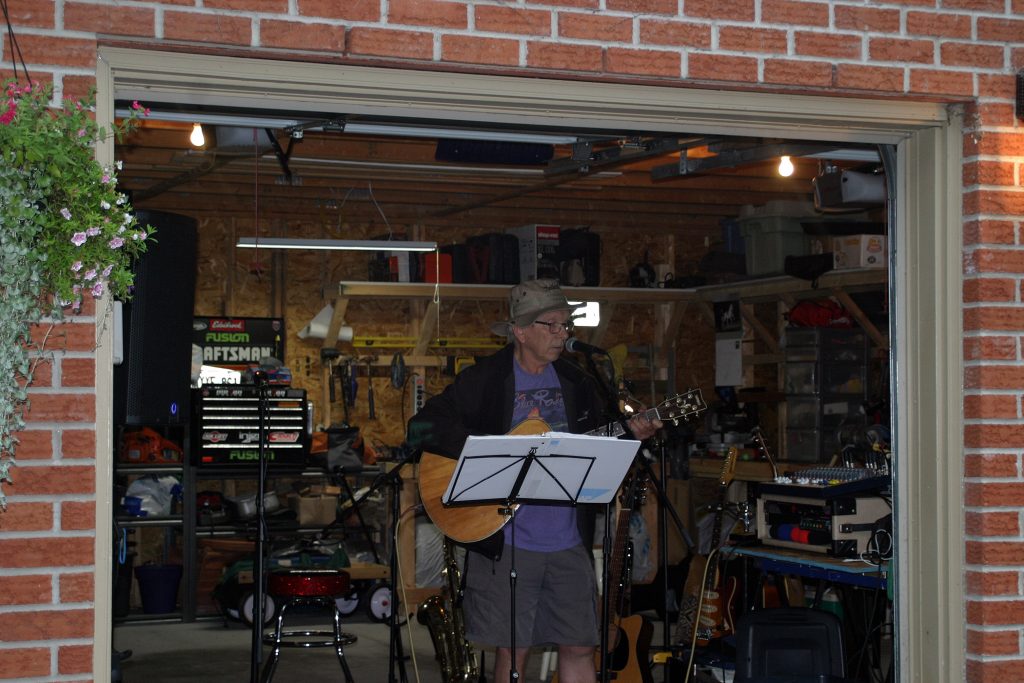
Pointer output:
x,y
152,384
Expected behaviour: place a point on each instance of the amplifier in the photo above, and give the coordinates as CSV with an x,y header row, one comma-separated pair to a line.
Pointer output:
x,y
227,426
840,526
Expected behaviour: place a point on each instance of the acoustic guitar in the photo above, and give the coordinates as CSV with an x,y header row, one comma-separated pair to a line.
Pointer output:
x,y
470,523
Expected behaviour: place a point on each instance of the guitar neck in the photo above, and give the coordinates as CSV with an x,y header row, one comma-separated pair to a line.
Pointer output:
x,y
616,429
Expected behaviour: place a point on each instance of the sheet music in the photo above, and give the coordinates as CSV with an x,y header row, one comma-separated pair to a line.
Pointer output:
x,y
567,467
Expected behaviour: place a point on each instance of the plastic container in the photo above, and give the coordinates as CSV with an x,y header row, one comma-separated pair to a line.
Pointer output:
x,y
769,240
801,378
158,587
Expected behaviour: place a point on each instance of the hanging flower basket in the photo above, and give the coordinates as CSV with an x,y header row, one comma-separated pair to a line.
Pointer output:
x,y
65,233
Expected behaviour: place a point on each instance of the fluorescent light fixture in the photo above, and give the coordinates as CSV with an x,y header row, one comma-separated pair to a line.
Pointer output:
x,y
589,315
496,135
335,245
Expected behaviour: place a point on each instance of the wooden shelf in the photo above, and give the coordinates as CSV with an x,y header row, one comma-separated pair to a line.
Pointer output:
x,y
461,292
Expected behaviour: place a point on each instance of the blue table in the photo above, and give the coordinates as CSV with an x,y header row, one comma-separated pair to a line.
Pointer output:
x,y
811,565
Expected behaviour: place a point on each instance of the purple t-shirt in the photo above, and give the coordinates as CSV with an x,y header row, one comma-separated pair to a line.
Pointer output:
x,y
542,527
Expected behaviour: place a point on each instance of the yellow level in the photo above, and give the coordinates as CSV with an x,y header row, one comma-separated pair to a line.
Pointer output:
x,y
443,342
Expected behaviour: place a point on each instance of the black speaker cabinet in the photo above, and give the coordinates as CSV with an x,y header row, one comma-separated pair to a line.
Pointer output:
x,y
152,384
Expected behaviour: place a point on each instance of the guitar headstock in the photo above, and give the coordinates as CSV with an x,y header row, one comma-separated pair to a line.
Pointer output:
x,y
681,407
728,467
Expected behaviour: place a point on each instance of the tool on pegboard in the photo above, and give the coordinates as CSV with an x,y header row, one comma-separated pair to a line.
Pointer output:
x,y
419,392
371,409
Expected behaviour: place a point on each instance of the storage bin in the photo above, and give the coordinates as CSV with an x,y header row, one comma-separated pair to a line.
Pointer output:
x,y
844,378
769,240
158,587
814,412
801,378
827,343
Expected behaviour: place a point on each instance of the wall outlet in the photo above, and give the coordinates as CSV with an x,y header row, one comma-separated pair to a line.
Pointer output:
x,y
419,393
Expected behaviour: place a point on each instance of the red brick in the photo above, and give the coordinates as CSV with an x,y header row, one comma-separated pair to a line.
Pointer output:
x,y
794,12
901,50
993,643
939,24
299,36
564,57
77,443
835,45
735,10
995,85
994,203
498,19
61,408
587,26
867,19
35,444
77,515
969,54
45,552
931,81
642,6
53,50
77,87
33,589
713,67
1000,30
1000,144
991,465
992,582
332,9
476,50
996,494
993,612
994,377
1017,53
877,78
749,39
45,625
990,289
992,671
989,232
49,480
793,72
109,19
208,28
42,374
25,662
35,13
388,43
989,173
77,587
68,336
990,348
992,524
428,13
26,516
74,659
78,372
261,6
994,114
576,4
642,62
680,33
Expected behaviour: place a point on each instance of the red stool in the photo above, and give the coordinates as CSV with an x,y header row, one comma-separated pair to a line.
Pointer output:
x,y
311,587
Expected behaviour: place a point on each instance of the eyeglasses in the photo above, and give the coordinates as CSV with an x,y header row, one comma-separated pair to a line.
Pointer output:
x,y
555,327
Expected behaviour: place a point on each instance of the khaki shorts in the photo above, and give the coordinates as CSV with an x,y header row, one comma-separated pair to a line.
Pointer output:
x,y
556,598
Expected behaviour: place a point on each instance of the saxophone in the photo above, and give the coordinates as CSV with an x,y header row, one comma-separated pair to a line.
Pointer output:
x,y
442,615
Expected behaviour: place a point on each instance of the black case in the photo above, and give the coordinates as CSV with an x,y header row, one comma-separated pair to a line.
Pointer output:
x,y
460,262
493,259
579,257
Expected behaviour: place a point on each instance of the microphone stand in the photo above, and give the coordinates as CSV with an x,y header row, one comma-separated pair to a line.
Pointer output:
x,y
259,590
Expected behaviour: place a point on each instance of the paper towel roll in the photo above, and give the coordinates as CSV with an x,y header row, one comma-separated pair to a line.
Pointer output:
x,y
317,327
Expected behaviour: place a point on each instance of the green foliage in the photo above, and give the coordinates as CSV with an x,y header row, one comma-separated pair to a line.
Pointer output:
x,y
65,232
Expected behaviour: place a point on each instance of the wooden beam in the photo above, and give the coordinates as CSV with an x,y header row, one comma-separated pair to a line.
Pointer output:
x,y
762,332
880,340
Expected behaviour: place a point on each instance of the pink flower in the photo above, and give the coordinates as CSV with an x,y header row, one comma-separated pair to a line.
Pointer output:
x,y
76,266
106,271
93,231
67,214
81,132
78,239
89,275
115,243
97,289
105,179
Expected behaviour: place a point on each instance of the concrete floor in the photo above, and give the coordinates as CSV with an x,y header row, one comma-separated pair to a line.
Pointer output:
x,y
209,651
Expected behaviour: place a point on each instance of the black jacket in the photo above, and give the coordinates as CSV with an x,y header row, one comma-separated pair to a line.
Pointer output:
x,y
480,400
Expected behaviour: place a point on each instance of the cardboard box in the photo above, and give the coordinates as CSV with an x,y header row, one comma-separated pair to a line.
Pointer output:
x,y
859,251
319,510
538,250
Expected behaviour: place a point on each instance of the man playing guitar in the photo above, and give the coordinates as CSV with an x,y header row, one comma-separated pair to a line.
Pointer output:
x,y
556,594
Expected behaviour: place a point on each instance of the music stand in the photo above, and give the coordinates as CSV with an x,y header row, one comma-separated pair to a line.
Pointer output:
x,y
550,468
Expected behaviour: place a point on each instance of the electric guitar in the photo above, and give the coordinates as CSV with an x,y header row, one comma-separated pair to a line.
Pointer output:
x,y
703,582
469,523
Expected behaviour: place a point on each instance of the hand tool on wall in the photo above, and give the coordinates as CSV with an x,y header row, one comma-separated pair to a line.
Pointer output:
x,y
369,391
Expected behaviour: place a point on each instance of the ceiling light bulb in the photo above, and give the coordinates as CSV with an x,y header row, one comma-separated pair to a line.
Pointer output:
x,y
196,137
786,167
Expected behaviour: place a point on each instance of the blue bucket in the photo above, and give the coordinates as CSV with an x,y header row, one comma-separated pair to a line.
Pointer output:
x,y
158,586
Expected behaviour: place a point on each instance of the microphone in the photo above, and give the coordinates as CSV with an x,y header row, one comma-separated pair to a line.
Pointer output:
x,y
576,346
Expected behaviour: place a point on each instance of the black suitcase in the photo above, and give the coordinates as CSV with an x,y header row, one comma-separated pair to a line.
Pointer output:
x,y
460,262
579,257
493,259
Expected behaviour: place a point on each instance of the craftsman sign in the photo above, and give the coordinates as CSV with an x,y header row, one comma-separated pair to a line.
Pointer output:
x,y
236,343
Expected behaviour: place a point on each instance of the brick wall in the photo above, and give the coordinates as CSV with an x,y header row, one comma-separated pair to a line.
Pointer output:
x,y
47,569
955,50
